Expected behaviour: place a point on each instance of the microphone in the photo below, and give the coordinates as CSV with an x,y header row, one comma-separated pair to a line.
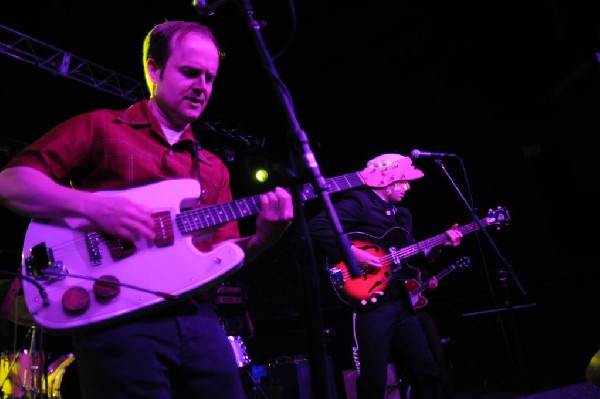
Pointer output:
x,y
207,8
415,154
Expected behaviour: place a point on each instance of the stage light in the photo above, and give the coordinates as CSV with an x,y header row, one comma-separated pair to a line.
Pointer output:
x,y
261,175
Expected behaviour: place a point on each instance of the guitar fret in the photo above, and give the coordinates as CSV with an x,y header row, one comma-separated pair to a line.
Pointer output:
x,y
191,221
252,205
218,213
347,181
210,221
239,211
334,185
229,212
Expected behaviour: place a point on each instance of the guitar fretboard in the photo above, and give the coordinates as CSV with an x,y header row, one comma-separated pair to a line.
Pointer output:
x,y
462,262
208,216
437,240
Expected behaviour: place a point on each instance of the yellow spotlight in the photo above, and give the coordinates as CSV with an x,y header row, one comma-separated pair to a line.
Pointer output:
x,y
261,175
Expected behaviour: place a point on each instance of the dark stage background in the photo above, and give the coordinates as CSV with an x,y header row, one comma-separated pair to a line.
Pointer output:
x,y
513,88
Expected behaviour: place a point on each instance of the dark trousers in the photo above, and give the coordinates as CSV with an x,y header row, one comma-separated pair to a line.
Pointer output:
x,y
437,350
181,352
392,330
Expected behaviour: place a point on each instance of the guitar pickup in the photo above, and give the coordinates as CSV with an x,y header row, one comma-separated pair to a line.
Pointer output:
x,y
163,227
120,249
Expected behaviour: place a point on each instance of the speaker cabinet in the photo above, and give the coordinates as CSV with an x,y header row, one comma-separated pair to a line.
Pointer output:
x,y
292,380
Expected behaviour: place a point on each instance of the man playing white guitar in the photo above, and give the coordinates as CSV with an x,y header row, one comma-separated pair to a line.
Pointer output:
x,y
108,263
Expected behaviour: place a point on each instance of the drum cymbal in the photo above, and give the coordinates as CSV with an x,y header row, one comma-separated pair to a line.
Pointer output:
x,y
19,314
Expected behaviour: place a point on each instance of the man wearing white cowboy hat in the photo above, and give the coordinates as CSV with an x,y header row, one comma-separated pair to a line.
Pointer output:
x,y
385,323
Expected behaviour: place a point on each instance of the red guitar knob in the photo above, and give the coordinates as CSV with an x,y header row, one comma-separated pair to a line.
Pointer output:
x,y
76,300
106,288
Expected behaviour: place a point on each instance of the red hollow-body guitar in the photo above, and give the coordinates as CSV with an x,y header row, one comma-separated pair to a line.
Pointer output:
x,y
368,289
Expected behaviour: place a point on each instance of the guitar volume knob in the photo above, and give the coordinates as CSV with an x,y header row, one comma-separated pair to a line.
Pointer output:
x,y
106,288
75,300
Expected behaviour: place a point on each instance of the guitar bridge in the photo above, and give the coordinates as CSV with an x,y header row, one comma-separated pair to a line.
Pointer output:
x,y
92,244
395,255
42,266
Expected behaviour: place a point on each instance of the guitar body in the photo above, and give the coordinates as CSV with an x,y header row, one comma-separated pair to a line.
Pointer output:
x,y
368,289
414,289
170,264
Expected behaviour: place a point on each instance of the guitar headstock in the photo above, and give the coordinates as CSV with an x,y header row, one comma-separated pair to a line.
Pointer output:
x,y
462,263
498,216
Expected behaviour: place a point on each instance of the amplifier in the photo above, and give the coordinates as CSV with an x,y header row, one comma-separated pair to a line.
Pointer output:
x,y
292,379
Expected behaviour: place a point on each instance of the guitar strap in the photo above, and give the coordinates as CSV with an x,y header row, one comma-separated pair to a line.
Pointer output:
x,y
197,149
210,295
403,220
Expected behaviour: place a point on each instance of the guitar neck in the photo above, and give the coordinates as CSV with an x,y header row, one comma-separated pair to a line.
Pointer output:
x,y
443,273
201,218
424,286
437,240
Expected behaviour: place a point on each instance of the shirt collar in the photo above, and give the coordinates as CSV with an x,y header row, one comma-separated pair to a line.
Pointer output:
x,y
139,114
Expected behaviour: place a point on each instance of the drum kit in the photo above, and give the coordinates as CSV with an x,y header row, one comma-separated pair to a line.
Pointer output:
x,y
23,372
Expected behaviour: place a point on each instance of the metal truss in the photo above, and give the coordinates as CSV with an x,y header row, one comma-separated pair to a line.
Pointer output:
x,y
225,137
42,55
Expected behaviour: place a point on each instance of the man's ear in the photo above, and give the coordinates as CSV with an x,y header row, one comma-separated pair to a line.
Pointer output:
x,y
151,75
152,70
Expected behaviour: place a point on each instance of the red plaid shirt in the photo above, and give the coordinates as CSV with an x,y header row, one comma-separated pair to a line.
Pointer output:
x,y
119,149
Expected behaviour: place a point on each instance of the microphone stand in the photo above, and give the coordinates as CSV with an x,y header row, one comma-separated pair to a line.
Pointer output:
x,y
503,272
316,342
472,211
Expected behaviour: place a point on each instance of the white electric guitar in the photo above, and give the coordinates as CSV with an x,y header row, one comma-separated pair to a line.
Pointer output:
x,y
74,277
